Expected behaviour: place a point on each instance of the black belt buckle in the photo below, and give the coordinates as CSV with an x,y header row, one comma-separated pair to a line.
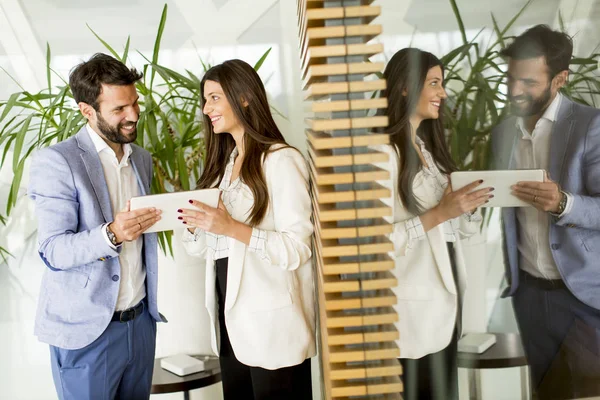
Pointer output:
x,y
126,312
131,313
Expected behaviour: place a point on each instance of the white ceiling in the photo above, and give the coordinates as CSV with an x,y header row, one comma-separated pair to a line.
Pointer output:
x,y
220,3
437,15
62,23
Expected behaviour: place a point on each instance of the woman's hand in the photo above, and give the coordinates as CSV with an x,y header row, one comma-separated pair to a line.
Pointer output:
x,y
209,219
216,221
466,199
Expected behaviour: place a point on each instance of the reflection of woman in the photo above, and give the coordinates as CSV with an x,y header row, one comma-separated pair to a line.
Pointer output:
x,y
428,222
257,243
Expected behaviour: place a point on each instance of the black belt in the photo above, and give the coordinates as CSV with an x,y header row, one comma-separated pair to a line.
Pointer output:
x,y
541,283
130,314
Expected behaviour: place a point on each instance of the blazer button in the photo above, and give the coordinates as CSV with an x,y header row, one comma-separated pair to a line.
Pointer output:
x,y
555,246
115,278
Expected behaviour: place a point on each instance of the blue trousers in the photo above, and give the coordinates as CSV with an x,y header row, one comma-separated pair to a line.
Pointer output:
x,y
117,365
561,337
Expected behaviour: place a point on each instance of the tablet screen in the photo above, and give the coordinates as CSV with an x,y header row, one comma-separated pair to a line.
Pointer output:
x,y
169,203
501,181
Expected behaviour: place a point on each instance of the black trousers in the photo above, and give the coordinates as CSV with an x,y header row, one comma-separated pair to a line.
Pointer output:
x,y
435,376
241,382
561,337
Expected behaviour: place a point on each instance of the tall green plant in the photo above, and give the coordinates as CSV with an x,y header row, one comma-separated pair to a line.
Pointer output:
x,y
170,127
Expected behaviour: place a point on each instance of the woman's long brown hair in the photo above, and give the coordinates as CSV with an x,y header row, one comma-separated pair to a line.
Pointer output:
x,y
241,84
405,74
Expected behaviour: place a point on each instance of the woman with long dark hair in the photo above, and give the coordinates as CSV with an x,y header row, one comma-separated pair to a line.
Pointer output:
x,y
429,221
257,242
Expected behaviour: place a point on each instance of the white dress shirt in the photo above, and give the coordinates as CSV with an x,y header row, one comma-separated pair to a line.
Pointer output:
x,y
122,186
532,152
230,192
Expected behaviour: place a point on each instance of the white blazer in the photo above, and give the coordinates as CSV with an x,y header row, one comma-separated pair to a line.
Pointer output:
x,y
269,307
426,292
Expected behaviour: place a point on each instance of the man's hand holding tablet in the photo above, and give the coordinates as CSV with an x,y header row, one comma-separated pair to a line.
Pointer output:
x,y
545,196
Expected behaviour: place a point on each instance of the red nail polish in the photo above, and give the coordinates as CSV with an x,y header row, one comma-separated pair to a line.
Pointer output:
x,y
180,210
191,201
179,217
184,222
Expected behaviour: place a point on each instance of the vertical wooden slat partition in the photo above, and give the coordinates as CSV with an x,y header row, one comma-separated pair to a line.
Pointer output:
x,y
354,278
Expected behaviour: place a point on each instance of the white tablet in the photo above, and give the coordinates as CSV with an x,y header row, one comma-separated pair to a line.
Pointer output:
x,y
169,203
501,181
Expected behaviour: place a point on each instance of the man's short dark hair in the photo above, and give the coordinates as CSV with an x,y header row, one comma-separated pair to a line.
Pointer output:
x,y
556,47
87,78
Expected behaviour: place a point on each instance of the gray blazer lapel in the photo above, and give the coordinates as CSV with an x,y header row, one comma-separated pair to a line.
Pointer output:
x,y
137,162
95,172
559,139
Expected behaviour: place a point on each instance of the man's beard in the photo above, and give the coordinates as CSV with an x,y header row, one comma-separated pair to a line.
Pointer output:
x,y
113,133
536,105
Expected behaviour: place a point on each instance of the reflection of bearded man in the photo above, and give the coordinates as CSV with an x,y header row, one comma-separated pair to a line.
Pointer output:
x,y
527,105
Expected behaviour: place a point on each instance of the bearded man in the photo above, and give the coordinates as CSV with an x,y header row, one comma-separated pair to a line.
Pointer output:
x,y
97,305
552,248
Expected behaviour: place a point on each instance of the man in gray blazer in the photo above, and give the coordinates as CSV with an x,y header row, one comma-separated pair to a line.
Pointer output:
x,y
97,305
552,248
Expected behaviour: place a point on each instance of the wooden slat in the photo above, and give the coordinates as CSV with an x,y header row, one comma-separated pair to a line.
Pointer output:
x,y
337,250
328,212
369,31
326,70
322,140
379,352
312,54
334,266
336,301
385,368
326,158
347,105
327,176
356,338
328,194
343,12
391,387
322,125
331,231
384,280
319,90
317,35
342,337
